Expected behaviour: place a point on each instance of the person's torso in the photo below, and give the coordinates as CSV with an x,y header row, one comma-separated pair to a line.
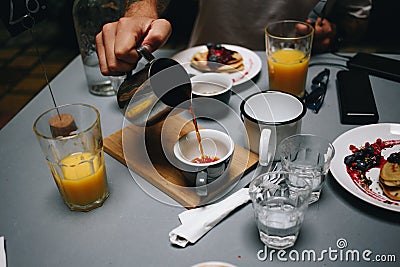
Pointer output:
x,y
243,22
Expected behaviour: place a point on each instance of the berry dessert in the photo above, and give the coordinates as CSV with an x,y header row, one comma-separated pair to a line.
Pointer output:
x,y
217,58
389,176
370,156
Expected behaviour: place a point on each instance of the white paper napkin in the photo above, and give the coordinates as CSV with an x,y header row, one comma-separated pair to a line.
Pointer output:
x,y
197,222
3,261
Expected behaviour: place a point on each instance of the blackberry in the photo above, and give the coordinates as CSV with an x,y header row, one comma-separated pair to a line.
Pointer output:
x,y
394,158
363,159
369,150
359,154
213,58
348,160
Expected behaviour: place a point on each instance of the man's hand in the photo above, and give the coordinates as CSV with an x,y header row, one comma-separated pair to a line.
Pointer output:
x,y
324,35
117,42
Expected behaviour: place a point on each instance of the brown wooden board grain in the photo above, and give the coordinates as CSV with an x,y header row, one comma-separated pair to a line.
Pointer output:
x,y
147,151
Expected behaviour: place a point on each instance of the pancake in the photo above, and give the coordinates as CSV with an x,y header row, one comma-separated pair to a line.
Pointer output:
x,y
389,180
390,174
392,192
233,63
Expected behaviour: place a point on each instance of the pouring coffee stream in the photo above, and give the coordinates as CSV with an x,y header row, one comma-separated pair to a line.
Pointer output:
x,y
204,157
151,93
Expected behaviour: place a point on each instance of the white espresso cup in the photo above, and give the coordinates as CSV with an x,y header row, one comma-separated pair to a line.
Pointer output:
x,y
212,85
270,117
217,145
211,94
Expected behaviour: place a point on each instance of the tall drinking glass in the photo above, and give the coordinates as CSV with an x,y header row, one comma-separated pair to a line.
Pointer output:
x,y
71,140
89,18
288,48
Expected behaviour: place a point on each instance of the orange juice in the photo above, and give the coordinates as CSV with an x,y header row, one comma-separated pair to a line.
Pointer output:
x,y
82,180
287,69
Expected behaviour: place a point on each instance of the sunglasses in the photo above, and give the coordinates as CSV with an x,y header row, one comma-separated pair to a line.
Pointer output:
x,y
315,98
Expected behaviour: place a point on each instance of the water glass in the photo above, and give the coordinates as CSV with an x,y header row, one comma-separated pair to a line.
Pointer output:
x,y
89,17
116,81
280,200
308,155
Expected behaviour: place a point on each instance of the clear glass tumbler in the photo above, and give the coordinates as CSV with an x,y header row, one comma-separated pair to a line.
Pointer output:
x,y
308,155
280,200
89,18
71,140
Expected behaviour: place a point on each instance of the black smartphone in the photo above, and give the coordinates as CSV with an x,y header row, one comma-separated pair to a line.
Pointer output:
x,y
356,99
376,65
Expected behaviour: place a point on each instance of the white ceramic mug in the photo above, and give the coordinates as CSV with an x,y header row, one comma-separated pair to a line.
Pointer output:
x,y
269,117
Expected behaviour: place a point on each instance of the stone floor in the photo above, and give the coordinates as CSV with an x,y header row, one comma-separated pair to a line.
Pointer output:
x,y
21,75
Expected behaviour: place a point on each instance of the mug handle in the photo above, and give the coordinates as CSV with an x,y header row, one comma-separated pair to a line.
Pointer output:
x,y
201,183
264,156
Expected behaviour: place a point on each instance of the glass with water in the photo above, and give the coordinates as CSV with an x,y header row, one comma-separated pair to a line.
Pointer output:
x,y
308,155
280,200
89,18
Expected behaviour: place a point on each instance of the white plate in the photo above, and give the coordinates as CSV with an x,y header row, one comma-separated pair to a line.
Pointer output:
x,y
252,62
358,136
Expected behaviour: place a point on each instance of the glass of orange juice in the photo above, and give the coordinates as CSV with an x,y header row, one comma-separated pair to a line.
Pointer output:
x,y
71,140
288,48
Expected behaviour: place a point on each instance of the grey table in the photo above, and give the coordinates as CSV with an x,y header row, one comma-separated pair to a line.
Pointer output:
x,y
131,228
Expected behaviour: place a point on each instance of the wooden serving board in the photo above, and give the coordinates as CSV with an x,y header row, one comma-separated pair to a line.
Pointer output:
x,y
147,151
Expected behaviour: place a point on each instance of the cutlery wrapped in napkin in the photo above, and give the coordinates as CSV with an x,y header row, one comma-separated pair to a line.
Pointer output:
x,y
3,261
197,222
